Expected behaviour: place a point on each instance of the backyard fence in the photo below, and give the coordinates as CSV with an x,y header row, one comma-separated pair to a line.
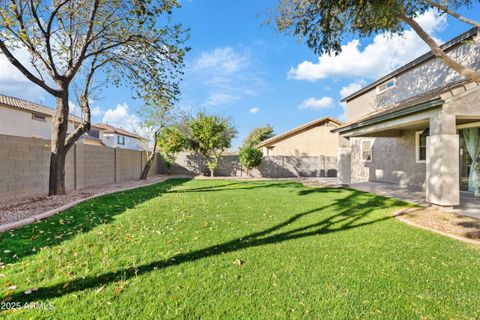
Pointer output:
x,y
271,166
25,163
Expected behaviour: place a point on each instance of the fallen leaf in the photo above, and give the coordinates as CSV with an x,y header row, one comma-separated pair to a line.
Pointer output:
x,y
238,262
66,285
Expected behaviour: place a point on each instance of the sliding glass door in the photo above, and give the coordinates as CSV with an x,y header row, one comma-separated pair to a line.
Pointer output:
x,y
470,160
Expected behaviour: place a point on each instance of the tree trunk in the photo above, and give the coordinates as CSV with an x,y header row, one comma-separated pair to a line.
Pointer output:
x,y
151,158
58,149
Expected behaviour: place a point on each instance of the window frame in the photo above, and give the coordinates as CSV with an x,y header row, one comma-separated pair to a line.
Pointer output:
x,y
118,140
362,150
417,147
380,91
38,117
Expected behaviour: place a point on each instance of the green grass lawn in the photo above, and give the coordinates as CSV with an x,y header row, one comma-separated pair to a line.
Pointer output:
x,y
206,249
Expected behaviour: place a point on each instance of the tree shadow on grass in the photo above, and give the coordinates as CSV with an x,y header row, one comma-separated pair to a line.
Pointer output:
x,y
20,243
354,211
243,185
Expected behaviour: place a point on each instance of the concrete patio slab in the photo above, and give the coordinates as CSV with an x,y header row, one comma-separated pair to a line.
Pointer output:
x,y
469,205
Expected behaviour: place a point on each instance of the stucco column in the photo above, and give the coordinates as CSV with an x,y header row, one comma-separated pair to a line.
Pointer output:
x,y
443,162
344,165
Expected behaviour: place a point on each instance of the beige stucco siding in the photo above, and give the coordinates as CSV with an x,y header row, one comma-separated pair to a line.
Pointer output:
x,y
361,105
19,123
316,141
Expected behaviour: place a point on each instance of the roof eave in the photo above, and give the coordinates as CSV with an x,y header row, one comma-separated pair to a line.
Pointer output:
x,y
389,116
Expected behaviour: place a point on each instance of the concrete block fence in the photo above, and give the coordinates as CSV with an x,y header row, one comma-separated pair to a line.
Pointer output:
x,y
271,167
24,166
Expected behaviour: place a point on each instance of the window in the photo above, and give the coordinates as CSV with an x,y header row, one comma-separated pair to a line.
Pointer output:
x,y
366,150
38,117
384,87
421,145
120,140
94,133
270,151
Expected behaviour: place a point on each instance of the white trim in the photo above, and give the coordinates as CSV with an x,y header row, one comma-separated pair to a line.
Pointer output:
x,y
417,148
371,150
387,88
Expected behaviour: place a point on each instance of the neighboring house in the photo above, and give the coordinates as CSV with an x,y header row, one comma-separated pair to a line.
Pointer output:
x,y
311,139
121,138
23,118
417,126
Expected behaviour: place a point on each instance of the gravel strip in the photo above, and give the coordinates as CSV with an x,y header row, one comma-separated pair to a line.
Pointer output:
x,y
18,209
451,224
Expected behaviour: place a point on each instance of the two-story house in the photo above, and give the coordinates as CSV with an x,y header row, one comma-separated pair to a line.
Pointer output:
x,y
120,138
418,126
23,118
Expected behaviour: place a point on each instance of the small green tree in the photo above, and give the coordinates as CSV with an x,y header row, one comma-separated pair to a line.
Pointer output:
x,y
171,141
210,135
250,157
258,135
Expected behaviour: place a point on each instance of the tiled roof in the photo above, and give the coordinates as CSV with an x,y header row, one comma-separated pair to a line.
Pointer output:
x,y
30,106
123,132
297,130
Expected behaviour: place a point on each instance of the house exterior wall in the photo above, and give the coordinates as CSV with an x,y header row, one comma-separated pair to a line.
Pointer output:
x,y
394,159
19,123
316,141
111,140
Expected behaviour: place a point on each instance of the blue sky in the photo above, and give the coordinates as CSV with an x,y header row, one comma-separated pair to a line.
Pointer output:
x,y
240,68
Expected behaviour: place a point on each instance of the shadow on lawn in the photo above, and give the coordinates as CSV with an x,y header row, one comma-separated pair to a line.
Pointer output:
x,y
353,212
17,244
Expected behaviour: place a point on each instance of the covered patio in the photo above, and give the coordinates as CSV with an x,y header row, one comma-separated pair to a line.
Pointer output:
x,y
469,205
426,150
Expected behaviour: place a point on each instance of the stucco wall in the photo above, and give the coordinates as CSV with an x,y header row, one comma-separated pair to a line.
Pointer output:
x,y
111,140
424,77
24,166
316,141
393,161
15,122
430,75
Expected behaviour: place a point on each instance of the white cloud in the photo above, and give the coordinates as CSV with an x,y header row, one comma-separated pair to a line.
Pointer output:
x,y
14,83
96,111
386,53
317,104
219,98
254,110
224,59
351,88
225,74
120,117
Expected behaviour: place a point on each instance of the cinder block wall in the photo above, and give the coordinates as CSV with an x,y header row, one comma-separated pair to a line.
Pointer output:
x,y
25,163
271,167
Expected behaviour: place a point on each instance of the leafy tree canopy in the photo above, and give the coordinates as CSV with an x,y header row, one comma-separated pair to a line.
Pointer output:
x,y
250,157
258,135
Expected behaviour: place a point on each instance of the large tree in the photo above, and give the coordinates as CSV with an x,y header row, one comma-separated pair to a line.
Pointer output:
x,y
210,135
324,23
85,42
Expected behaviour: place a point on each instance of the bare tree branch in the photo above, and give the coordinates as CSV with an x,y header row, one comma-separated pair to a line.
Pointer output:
x,y
438,52
454,14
